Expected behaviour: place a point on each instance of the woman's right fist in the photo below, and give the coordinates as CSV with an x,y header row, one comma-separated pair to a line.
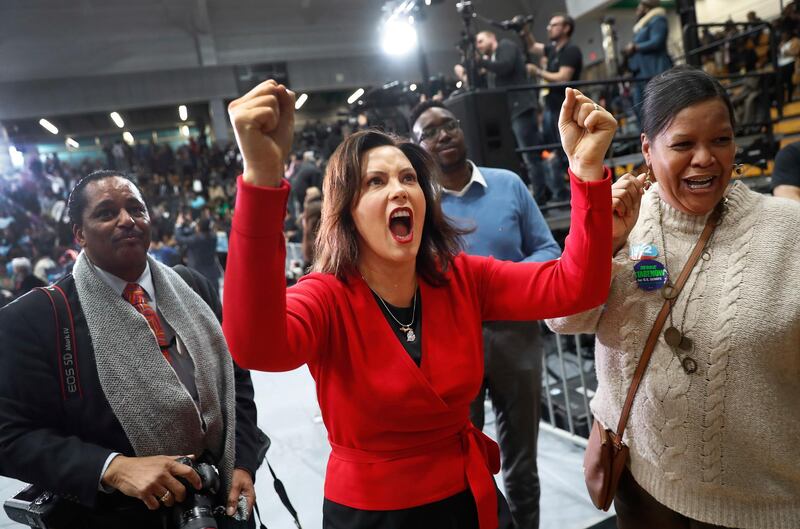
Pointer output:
x,y
626,199
263,121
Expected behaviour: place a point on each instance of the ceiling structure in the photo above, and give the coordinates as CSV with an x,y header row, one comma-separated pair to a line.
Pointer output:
x,y
93,56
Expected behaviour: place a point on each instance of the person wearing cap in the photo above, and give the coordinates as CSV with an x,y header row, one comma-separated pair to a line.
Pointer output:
x,y
647,52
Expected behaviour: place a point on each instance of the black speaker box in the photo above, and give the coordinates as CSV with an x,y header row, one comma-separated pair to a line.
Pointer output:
x,y
487,129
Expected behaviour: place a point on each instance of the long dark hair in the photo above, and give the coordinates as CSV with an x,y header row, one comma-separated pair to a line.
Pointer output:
x,y
337,240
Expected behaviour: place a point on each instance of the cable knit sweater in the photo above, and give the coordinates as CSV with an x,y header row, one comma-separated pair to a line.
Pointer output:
x,y
721,445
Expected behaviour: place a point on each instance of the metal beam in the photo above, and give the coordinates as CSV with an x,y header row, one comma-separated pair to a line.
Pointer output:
x,y
691,39
203,36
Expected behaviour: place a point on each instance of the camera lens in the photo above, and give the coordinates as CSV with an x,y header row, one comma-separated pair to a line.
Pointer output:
x,y
197,510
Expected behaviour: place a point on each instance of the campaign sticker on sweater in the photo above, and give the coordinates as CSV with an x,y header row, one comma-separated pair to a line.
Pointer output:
x,y
639,252
650,274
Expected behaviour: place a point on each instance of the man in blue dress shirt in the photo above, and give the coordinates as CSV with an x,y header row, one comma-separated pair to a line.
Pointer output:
x,y
507,225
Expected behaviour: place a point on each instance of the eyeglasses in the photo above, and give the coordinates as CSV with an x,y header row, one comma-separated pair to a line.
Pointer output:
x,y
554,24
430,133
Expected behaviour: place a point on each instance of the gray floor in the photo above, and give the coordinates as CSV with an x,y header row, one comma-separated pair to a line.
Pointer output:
x,y
288,412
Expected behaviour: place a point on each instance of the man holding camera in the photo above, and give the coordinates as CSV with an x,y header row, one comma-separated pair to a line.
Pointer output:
x,y
564,64
505,63
118,369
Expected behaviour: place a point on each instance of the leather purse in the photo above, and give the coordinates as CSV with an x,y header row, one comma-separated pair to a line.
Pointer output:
x,y
606,453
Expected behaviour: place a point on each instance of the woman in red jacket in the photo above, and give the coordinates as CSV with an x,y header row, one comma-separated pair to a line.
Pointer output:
x,y
389,323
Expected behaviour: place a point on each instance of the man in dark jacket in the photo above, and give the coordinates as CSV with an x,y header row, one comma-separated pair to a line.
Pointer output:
x,y
98,408
505,62
201,249
647,53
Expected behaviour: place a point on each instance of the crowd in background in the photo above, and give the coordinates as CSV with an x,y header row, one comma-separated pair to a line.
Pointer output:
x,y
190,189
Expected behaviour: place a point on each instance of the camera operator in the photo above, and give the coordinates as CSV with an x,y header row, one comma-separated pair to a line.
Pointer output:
x,y
505,64
564,64
115,371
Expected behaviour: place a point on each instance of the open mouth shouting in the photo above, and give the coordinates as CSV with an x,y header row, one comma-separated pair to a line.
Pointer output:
x,y
401,225
699,182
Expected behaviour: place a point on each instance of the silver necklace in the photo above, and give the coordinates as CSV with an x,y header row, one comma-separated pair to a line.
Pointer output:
x,y
404,327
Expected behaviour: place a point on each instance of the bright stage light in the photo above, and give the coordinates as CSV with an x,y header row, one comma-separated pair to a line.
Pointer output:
x,y
413,87
183,112
300,101
72,143
399,37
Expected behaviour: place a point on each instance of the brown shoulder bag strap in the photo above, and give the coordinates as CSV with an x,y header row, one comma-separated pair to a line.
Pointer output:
x,y
711,224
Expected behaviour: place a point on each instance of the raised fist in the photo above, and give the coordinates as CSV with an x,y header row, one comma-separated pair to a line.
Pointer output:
x,y
586,133
263,121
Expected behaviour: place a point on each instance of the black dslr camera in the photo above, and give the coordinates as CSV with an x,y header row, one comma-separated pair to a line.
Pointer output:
x,y
197,510
41,509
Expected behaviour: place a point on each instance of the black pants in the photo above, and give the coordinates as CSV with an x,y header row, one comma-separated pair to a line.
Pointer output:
x,y
513,380
526,132
456,512
636,509
555,177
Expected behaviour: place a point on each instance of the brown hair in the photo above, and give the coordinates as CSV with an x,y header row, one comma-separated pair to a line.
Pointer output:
x,y
337,242
311,217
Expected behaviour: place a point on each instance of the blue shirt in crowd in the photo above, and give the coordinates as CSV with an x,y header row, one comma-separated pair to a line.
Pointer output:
x,y
508,224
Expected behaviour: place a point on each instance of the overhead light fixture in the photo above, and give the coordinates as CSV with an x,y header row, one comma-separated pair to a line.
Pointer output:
x,y
413,87
52,129
117,119
72,143
128,137
399,36
300,101
354,96
185,130
427,2
183,113
459,84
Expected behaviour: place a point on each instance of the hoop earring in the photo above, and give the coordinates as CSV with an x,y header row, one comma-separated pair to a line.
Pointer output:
x,y
738,168
649,180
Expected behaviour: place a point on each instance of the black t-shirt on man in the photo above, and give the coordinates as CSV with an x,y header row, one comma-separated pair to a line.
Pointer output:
x,y
570,55
787,166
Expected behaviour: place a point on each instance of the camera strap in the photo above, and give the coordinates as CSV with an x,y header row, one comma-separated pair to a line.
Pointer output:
x,y
186,275
66,345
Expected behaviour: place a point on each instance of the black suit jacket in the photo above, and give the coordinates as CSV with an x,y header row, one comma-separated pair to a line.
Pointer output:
x,y
62,445
509,69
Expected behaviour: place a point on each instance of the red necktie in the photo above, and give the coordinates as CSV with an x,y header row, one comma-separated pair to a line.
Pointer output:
x,y
136,296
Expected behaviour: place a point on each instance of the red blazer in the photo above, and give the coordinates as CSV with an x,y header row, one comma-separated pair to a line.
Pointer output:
x,y
400,434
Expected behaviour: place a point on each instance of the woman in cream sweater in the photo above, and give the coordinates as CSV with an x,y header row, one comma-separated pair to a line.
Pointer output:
x,y
714,432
